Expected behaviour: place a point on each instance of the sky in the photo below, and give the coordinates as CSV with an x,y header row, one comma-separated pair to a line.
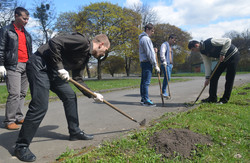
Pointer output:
x,y
201,18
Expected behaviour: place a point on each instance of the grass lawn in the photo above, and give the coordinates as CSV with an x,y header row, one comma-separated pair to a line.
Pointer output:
x,y
227,125
94,85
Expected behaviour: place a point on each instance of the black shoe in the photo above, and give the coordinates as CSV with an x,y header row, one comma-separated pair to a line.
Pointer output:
x,y
222,101
24,154
209,100
81,136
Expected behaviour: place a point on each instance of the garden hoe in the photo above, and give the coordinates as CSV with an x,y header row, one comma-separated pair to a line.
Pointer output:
x,y
142,123
159,79
160,89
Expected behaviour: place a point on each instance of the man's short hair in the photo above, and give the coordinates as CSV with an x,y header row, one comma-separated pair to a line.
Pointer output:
x,y
192,43
171,36
149,26
18,11
102,38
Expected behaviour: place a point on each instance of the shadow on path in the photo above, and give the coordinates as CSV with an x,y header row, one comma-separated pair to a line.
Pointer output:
x,y
8,139
112,132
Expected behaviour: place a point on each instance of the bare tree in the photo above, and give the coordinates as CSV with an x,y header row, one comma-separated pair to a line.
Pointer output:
x,y
46,15
242,42
7,9
148,15
65,22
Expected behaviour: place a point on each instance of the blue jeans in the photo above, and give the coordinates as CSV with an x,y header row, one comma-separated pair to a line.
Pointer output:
x,y
146,74
165,81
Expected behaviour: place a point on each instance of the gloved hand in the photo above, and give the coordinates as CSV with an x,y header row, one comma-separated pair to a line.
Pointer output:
x,y
63,74
98,98
164,64
157,69
2,71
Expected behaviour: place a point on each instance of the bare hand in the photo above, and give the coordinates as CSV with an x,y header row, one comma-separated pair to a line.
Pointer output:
x,y
222,57
206,82
156,50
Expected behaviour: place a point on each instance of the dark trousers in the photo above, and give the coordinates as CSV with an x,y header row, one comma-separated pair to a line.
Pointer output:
x,y
40,84
230,66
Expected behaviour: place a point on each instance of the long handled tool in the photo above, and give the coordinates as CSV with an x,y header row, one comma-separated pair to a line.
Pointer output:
x,y
167,81
162,99
142,123
160,89
217,65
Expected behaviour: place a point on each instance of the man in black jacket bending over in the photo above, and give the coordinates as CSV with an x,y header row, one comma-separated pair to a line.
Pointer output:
x,y
47,70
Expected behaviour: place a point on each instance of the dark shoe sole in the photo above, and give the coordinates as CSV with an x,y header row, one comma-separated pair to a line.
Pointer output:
x,y
75,139
209,101
81,137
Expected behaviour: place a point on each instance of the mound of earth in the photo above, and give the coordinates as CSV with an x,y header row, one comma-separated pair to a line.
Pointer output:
x,y
172,141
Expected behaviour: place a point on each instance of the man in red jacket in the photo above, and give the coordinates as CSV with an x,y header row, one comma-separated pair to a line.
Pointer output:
x,y
47,70
15,50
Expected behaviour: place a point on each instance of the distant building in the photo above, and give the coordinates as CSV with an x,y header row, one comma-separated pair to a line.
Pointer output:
x,y
199,67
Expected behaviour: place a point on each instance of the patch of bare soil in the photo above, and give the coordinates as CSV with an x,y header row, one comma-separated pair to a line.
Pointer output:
x,y
247,88
182,141
242,93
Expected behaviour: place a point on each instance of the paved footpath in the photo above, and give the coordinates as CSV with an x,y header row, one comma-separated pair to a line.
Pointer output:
x,y
105,123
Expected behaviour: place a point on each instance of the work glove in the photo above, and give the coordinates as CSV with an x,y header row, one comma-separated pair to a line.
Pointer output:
x,y
63,74
2,71
98,98
157,69
164,64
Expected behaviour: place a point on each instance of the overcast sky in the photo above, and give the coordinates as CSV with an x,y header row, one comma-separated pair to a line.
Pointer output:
x,y
201,18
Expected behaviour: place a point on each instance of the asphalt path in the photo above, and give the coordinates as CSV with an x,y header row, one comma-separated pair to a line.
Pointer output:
x,y
102,121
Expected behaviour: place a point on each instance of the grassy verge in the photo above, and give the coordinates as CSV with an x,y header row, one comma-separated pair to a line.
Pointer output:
x,y
94,85
227,124
199,74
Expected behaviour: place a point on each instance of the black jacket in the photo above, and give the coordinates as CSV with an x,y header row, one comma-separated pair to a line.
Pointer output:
x,y
210,50
70,52
9,46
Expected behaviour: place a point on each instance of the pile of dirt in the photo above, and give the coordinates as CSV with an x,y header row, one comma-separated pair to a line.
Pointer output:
x,y
172,141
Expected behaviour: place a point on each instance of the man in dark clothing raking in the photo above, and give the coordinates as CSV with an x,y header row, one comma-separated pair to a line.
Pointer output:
x,y
47,70
228,56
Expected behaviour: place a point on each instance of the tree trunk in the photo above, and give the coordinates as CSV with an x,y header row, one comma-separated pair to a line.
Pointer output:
x,y
127,65
99,72
88,72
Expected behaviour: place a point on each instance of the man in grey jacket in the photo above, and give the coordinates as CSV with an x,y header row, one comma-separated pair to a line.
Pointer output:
x,y
47,69
15,50
147,62
228,56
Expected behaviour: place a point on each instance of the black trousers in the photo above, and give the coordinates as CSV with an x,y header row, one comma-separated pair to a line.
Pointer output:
x,y
40,84
230,66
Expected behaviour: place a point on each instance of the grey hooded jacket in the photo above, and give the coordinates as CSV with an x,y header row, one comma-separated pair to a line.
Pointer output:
x,y
146,49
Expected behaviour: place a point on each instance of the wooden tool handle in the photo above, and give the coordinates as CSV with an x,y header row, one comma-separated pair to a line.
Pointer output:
x,y
106,102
